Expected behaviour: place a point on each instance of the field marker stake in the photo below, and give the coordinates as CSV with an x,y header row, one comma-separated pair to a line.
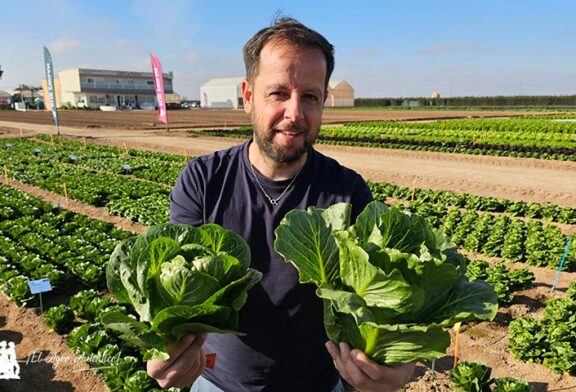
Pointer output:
x,y
561,264
66,196
125,149
456,342
413,189
52,139
185,155
225,125
41,305
21,132
6,175
84,141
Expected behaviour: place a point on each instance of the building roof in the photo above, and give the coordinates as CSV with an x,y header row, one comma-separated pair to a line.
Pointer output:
x,y
116,73
4,94
340,84
222,82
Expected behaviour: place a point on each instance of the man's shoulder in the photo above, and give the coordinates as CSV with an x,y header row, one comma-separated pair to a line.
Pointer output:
x,y
219,158
331,165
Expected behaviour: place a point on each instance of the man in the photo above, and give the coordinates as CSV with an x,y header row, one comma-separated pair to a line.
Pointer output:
x,y
248,189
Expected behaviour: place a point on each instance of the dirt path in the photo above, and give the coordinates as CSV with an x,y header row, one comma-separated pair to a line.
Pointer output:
x,y
525,179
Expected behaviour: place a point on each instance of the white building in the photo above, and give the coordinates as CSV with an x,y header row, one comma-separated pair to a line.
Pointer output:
x,y
222,93
96,87
340,94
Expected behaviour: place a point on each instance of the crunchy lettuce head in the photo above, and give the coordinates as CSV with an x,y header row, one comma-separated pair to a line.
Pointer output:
x,y
180,279
390,283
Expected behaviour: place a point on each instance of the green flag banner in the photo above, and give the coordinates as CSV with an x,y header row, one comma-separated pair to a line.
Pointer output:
x,y
49,67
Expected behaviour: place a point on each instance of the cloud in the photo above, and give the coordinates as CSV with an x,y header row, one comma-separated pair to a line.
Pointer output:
x,y
64,45
191,58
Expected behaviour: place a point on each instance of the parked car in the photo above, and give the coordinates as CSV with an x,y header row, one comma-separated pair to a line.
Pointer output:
x,y
147,106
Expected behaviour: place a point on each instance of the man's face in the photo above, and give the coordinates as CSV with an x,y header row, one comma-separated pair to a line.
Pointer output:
x,y
285,100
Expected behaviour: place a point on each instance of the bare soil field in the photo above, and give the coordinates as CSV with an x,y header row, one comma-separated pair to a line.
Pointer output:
x,y
521,179
199,118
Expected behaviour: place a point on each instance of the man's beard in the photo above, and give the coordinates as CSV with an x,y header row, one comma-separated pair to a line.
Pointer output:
x,y
281,156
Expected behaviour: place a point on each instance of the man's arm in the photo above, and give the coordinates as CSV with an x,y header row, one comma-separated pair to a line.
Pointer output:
x,y
366,375
187,197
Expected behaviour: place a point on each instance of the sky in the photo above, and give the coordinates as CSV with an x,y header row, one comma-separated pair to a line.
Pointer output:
x,y
383,48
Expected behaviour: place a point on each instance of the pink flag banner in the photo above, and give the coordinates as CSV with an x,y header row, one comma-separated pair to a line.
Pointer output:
x,y
159,88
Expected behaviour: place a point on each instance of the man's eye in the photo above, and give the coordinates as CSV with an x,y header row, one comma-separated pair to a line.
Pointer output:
x,y
311,98
278,93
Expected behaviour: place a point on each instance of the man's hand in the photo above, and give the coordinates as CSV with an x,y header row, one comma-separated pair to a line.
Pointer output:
x,y
366,375
186,363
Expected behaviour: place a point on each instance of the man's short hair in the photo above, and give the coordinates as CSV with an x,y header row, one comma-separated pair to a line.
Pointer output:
x,y
291,31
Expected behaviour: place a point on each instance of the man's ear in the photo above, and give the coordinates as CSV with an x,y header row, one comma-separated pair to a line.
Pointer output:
x,y
247,96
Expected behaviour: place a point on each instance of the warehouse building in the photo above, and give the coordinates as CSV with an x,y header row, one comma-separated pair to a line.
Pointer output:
x,y
222,93
340,94
93,88
226,93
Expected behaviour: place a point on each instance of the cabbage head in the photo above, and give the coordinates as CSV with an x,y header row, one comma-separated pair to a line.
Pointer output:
x,y
180,279
390,283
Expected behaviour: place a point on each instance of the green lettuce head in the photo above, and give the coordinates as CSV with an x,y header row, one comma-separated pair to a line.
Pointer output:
x,y
180,279
391,284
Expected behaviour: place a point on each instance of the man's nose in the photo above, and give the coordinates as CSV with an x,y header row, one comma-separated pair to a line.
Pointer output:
x,y
293,109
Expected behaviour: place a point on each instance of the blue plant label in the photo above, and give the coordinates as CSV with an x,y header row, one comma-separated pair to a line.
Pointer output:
x,y
73,158
39,286
37,150
8,145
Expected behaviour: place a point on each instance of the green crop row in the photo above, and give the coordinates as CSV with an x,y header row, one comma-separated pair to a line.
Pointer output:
x,y
141,201
547,212
38,240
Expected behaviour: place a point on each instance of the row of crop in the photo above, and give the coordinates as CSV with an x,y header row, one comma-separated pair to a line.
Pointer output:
x,y
38,241
528,124
547,212
502,278
117,362
550,341
501,236
141,201
460,147
153,166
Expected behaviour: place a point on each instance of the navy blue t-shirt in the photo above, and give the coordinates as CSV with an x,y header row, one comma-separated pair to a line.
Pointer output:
x,y
283,349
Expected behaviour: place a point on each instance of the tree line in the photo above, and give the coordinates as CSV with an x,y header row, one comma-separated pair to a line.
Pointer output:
x,y
497,101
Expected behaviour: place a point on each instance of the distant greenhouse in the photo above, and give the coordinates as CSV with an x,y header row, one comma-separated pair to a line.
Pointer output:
x,y
222,93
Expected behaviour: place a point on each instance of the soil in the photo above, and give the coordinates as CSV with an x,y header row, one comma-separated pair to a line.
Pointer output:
x,y
519,179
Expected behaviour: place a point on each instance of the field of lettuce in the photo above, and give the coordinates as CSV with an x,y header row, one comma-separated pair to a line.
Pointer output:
x,y
505,241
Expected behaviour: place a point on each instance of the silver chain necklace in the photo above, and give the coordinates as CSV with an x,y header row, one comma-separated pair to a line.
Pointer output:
x,y
274,201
